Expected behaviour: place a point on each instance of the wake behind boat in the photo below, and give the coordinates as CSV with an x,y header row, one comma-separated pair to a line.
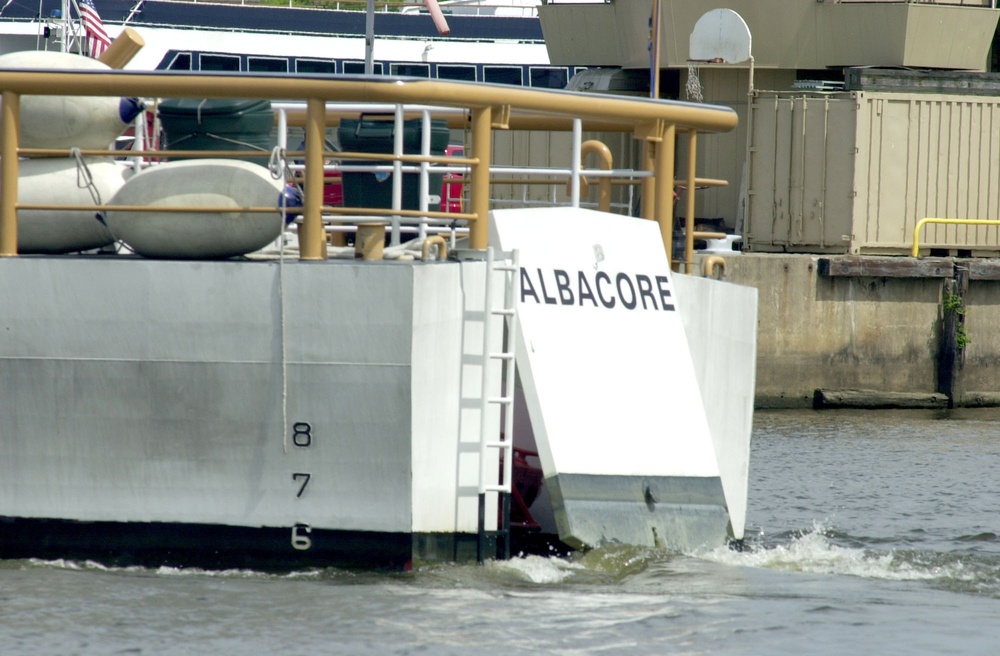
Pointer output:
x,y
506,379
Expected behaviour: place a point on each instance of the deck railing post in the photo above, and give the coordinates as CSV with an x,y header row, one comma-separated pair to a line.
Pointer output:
x,y
689,205
603,153
576,159
647,195
312,237
479,185
664,183
8,173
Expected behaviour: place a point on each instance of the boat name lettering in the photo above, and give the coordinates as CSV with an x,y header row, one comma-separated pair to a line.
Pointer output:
x,y
302,434
636,291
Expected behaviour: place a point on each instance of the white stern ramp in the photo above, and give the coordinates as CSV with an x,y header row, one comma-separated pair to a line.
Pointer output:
x,y
609,382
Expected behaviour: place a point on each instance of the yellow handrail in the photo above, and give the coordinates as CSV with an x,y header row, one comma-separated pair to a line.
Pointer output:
x,y
922,222
487,107
606,160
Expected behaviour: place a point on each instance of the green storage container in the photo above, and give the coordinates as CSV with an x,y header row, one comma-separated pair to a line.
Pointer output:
x,y
221,124
376,135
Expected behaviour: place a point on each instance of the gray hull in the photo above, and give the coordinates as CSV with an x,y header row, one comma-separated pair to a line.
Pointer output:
x,y
295,398
290,414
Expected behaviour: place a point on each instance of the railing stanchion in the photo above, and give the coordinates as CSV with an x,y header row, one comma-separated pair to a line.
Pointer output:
x,y
647,193
575,160
8,173
425,170
398,127
689,205
312,237
479,187
663,181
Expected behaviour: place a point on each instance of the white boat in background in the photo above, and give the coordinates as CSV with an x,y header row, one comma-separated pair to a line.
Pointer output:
x,y
512,380
498,43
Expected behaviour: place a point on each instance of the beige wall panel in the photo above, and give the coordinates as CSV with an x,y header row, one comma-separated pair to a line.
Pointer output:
x,y
553,150
929,156
722,156
799,34
902,157
587,39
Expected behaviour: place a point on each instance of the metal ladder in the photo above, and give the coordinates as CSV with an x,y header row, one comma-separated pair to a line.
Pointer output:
x,y
504,442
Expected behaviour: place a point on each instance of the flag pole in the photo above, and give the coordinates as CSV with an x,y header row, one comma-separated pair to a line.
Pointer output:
x,y
67,22
370,38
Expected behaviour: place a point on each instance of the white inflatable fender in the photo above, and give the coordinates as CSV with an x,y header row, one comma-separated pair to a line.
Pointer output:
x,y
198,235
67,121
59,181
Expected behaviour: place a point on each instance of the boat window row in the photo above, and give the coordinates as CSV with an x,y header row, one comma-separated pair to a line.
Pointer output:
x,y
546,77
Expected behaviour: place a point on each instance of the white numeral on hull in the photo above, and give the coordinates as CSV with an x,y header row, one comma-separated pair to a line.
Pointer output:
x,y
300,537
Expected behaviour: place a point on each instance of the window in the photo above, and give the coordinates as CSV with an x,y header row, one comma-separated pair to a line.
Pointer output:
x,y
219,63
548,77
358,68
454,72
502,75
412,70
176,61
267,65
315,66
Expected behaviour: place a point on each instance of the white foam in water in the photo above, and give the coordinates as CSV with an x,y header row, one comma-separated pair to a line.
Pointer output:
x,y
539,569
813,552
163,570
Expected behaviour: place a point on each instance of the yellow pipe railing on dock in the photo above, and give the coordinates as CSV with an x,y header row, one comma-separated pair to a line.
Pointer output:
x,y
922,222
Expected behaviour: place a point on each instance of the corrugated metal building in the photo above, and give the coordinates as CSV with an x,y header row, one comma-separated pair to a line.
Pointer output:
x,y
854,172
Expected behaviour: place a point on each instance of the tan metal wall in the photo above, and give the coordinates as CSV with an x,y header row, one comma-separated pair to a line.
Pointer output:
x,y
855,172
553,149
722,156
789,34
800,174
923,155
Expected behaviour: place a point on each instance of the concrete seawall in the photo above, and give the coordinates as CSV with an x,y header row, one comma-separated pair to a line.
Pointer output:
x,y
874,331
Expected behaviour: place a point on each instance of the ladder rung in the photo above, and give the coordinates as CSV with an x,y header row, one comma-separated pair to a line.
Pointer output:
x,y
508,282
500,445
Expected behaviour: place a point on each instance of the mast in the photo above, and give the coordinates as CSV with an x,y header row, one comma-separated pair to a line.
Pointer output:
x,y
65,28
370,38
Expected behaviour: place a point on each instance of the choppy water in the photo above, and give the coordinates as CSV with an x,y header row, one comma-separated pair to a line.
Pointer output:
x,y
874,533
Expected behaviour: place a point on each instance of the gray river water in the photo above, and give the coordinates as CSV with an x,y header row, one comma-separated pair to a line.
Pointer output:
x,y
872,533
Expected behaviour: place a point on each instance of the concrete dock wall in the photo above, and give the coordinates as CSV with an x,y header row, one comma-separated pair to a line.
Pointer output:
x,y
873,332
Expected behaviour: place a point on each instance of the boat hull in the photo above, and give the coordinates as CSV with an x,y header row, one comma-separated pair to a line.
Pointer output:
x,y
240,399
211,546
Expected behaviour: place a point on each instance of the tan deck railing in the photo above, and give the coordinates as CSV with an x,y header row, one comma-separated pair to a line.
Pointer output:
x,y
485,107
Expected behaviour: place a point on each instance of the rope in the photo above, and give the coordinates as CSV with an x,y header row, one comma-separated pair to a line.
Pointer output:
x,y
693,86
277,165
218,137
85,180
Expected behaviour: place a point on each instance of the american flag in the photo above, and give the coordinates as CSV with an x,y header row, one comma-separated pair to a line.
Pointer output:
x,y
97,39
